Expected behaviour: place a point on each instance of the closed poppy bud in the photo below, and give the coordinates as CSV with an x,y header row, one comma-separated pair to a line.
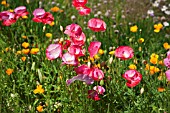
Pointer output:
x,y
96,25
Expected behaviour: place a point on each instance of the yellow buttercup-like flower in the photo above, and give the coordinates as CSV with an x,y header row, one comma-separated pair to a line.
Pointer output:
x,y
132,66
9,71
158,27
40,108
141,40
166,45
134,28
34,51
48,35
39,89
55,9
25,44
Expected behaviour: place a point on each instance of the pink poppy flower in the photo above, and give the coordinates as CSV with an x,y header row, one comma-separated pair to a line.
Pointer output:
x,y
83,69
168,75
83,10
73,30
99,89
53,51
124,52
79,3
76,50
168,54
68,58
133,78
80,40
93,95
7,17
20,11
96,25
94,48
167,62
96,74
81,77
41,16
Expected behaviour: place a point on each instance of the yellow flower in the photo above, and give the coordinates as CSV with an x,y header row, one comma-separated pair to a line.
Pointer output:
x,y
48,35
134,28
158,27
25,17
23,58
3,2
7,49
34,51
55,9
24,37
101,51
132,66
9,71
25,45
25,51
140,49
147,67
39,89
154,60
161,89
156,69
166,45
40,108
112,52
11,10
153,55
52,23
18,52
96,57
141,40
161,63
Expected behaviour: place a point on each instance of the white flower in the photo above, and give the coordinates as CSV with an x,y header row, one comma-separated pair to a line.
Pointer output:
x,y
167,12
164,8
150,12
155,4
165,24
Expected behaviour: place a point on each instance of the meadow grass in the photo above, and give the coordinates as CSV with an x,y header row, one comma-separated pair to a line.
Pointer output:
x,y
17,89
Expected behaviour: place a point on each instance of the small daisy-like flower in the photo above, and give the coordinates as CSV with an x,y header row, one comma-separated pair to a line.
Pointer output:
x,y
39,89
9,71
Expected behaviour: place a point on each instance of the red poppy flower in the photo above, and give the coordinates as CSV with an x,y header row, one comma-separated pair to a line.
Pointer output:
x,y
96,74
76,50
83,69
94,48
96,25
133,78
83,10
7,17
93,95
124,52
79,3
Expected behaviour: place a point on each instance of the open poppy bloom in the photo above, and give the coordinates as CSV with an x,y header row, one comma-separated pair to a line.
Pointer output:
x,y
168,75
7,17
124,52
94,48
73,30
80,40
83,69
79,3
83,10
76,50
96,74
96,25
167,60
133,78
53,51
68,58
41,16
20,11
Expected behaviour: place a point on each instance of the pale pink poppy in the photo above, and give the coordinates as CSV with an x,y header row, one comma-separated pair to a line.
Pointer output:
x,y
80,40
124,52
99,89
7,17
167,62
96,25
39,13
83,69
133,78
79,3
168,74
93,94
76,50
20,11
83,10
94,48
53,51
81,77
73,30
96,74
68,58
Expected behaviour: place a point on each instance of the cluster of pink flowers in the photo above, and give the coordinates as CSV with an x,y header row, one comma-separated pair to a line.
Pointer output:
x,y
80,6
8,18
167,64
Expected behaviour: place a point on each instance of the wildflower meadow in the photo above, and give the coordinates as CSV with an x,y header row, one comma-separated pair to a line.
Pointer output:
x,y
85,56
